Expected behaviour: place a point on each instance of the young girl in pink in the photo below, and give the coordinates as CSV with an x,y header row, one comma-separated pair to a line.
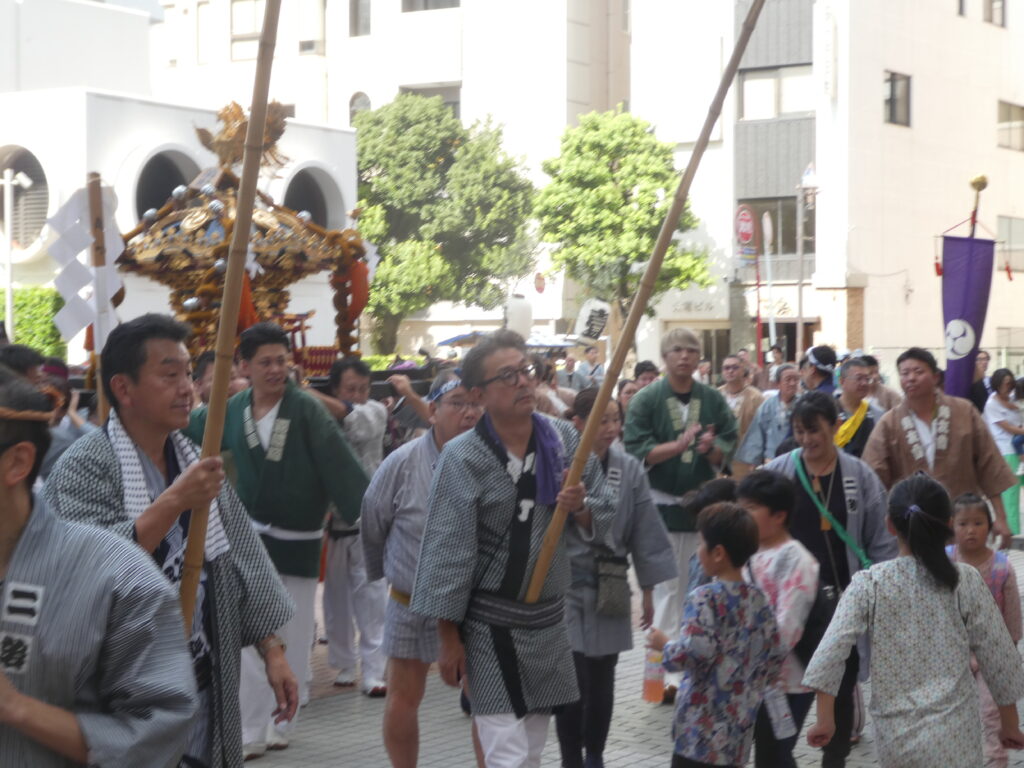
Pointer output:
x,y
971,527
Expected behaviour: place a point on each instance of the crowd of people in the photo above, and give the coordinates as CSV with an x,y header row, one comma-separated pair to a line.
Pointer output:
x,y
791,531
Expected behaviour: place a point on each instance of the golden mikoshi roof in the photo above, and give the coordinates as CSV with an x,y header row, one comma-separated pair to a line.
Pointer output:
x,y
193,232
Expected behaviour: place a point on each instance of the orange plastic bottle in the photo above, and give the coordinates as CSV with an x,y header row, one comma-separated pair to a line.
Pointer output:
x,y
654,677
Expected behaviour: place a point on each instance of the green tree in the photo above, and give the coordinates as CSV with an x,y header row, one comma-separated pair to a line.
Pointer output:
x,y
34,308
446,207
611,188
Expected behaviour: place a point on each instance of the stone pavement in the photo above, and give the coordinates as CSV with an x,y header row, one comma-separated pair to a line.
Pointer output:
x,y
341,728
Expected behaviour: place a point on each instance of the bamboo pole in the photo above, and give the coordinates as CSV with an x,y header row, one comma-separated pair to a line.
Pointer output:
x,y
614,367
228,324
101,326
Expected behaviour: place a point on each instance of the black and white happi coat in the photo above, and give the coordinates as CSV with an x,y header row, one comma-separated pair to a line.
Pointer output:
x,y
639,533
245,597
470,543
88,624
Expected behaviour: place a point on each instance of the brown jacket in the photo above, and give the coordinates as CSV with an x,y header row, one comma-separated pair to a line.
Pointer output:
x,y
750,399
966,460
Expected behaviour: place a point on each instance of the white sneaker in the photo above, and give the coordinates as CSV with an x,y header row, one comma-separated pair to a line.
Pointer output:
x,y
346,678
254,750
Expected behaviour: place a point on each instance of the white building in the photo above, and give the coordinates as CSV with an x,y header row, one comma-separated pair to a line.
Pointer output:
x,y
808,92
915,99
898,105
531,65
59,126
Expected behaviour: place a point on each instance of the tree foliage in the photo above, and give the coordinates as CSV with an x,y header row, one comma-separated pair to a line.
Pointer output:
x,y
446,206
34,308
611,188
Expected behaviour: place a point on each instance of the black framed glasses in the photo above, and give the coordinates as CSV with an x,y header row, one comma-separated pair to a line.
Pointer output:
x,y
510,376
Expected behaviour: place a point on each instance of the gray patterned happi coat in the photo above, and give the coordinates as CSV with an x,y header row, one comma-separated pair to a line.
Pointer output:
x,y
88,624
637,532
465,547
248,600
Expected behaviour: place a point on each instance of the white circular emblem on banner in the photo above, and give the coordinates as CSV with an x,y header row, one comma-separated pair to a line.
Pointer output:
x,y
960,339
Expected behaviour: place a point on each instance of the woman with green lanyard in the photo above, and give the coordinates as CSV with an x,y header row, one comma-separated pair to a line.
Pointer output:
x,y
839,515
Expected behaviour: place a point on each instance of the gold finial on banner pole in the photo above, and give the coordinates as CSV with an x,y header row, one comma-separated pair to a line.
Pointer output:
x,y
978,183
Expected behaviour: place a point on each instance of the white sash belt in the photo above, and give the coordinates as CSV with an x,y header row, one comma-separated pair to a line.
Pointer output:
x,y
285,534
665,499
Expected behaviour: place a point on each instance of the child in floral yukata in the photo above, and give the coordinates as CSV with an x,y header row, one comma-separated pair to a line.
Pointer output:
x,y
972,526
728,647
924,616
788,574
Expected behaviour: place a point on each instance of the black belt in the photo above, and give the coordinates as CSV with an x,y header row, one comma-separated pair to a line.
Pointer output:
x,y
488,608
335,535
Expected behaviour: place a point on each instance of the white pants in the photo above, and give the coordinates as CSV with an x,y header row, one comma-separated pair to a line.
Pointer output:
x,y
349,597
669,595
512,742
256,698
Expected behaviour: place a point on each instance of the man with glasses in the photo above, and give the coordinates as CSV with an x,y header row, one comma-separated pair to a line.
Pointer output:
x,y
743,399
292,460
494,492
857,417
683,431
882,397
393,515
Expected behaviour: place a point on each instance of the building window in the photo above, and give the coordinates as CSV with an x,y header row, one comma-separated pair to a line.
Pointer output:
x,y
783,213
769,93
246,23
359,102
428,5
451,95
995,12
311,27
1011,239
1010,128
358,18
897,98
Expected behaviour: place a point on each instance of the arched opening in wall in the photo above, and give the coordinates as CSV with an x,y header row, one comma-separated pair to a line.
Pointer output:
x,y
30,196
159,176
309,190
359,102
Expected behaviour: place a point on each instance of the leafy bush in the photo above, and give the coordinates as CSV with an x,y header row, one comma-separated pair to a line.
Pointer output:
x,y
34,309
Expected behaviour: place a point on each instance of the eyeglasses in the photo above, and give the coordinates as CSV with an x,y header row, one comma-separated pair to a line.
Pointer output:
x,y
510,377
462,406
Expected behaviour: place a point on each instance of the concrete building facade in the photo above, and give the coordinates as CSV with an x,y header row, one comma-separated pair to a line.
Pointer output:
x,y
63,120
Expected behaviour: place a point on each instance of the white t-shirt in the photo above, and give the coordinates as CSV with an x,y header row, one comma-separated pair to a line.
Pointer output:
x,y
265,426
925,432
995,412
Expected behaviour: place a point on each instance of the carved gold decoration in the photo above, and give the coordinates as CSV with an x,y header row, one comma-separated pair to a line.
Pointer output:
x,y
180,248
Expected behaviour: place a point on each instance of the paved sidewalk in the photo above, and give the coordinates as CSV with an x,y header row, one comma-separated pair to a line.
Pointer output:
x,y
341,728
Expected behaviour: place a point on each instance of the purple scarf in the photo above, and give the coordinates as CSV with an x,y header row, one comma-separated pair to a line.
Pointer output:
x,y
549,462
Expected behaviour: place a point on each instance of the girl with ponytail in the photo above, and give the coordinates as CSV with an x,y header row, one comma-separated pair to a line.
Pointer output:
x,y
924,616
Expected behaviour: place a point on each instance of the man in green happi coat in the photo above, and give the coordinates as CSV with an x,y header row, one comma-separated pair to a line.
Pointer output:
x,y
683,431
291,460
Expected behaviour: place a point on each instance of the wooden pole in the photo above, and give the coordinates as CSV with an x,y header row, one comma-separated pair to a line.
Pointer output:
x,y
101,326
614,366
228,325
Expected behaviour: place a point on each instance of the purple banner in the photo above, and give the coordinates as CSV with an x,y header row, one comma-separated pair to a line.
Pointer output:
x,y
966,280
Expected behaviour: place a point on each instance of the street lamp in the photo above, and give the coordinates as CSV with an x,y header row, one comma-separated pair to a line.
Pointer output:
x,y
805,193
11,180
